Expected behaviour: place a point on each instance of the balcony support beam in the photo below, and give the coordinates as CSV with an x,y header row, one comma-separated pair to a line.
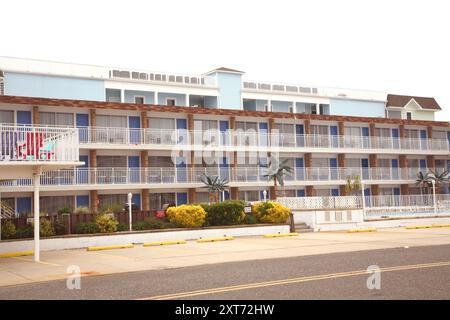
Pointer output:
x,y
404,190
373,160
307,126
431,163
144,120
375,190
309,191
92,118
36,116
430,132
94,201
145,200
403,161
234,193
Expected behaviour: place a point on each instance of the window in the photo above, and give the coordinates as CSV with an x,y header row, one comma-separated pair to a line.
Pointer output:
x,y
284,128
383,132
56,119
139,100
383,163
160,161
313,109
110,199
52,204
111,121
304,107
321,130
6,116
157,200
352,131
394,114
409,116
161,123
171,101
324,108
112,161
203,125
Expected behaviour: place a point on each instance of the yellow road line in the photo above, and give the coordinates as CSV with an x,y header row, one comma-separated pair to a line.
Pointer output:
x,y
163,243
99,248
292,280
362,230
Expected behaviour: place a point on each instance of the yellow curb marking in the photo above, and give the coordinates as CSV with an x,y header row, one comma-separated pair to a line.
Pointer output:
x,y
362,230
215,239
427,226
98,248
277,235
163,243
290,281
16,254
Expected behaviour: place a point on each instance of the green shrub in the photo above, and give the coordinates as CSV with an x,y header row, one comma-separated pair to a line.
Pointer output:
x,y
106,223
60,227
225,213
250,219
122,227
82,210
270,212
187,215
46,228
84,228
111,208
152,223
8,230
65,209
24,232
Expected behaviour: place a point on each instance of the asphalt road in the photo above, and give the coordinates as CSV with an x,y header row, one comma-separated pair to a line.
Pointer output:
x,y
407,273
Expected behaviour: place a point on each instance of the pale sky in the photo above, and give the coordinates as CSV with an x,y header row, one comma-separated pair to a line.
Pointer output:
x,y
394,46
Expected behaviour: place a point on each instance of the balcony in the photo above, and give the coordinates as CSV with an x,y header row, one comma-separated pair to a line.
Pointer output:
x,y
24,148
190,177
157,138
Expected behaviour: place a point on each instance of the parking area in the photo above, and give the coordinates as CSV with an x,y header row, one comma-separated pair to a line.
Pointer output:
x,y
54,264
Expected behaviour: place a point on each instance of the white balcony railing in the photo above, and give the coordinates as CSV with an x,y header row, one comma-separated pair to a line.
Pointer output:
x,y
45,144
212,138
169,175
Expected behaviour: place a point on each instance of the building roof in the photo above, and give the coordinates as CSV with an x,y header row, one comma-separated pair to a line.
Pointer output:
x,y
31,101
223,69
394,100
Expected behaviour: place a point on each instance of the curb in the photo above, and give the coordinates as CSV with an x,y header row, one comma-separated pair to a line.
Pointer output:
x,y
362,230
163,243
278,235
214,239
16,254
99,248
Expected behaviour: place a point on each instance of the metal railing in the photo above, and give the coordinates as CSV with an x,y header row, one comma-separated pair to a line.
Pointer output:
x,y
49,144
253,139
165,175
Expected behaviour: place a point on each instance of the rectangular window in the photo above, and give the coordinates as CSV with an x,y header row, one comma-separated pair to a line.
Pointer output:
x,y
6,116
56,119
171,101
109,121
409,116
383,132
52,204
139,100
160,162
112,161
158,200
320,130
112,199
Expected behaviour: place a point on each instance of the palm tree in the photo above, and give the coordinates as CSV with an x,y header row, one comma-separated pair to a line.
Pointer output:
x,y
353,186
440,178
215,185
423,181
276,172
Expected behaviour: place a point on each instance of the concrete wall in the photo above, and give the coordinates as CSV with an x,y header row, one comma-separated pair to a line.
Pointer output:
x,y
356,108
229,90
149,97
32,85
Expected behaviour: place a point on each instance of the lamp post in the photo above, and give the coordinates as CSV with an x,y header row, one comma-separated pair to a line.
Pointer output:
x,y
265,195
130,196
433,182
363,199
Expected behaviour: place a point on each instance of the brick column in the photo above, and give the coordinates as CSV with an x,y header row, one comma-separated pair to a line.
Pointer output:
x,y
94,199
342,190
341,132
375,190
373,141
309,191
190,164
93,165
144,120
145,195
307,126
92,118
341,160
272,194
430,132
373,160
234,193
404,190
308,160
401,131
431,163
192,197
36,117
402,161
233,154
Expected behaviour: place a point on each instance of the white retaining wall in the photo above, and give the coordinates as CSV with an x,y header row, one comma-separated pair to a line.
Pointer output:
x,y
141,237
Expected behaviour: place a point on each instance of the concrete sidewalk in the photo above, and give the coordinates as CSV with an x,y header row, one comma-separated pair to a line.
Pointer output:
x,y
20,270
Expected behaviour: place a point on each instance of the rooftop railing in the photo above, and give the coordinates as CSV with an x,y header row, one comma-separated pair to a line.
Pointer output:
x,y
253,139
174,175
44,144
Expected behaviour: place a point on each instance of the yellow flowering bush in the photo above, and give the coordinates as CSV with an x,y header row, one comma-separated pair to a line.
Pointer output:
x,y
270,212
187,215
106,223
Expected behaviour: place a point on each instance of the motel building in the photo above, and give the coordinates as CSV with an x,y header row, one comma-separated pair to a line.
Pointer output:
x,y
92,134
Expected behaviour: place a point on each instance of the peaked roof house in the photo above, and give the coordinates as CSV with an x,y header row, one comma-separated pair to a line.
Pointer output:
x,y
408,107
